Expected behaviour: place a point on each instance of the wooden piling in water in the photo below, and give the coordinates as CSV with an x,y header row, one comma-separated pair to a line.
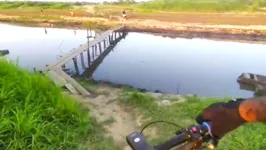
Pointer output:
x,y
109,38
97,52
100,47
96,49
89,57
93,48
104,44
82,61
112,37
76,64
93,55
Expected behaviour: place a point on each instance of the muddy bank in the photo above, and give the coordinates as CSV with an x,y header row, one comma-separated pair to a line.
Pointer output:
x,y
56,24
200,34
114,85
169,29
157,94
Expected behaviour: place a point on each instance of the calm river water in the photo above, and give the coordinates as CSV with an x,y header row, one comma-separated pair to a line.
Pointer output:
x,y
194,66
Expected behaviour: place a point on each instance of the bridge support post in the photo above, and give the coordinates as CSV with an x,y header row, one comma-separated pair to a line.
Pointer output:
x,y
104,44
100,47
95,51
82,61
109,39
112,37
76,64
93,55
96,48
89,57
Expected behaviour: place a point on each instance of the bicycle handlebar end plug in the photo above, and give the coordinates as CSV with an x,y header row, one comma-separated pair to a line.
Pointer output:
x,y
137,141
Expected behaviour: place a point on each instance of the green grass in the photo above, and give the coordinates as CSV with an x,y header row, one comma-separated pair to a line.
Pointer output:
x,y
36,115
98,139
157,5
204,5
249,136
43,5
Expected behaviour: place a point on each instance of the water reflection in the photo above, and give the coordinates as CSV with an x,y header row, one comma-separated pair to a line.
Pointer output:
x,y
32,48
88,61
195,66
186,66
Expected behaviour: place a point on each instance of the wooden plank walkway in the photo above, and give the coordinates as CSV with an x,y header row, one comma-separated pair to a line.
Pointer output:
x,y
66,58
4,52
61,78
72,82
98,60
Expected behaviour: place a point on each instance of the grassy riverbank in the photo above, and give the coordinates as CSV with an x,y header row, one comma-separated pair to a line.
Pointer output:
x,y
145,108
35,114
204,5
249,136
43,5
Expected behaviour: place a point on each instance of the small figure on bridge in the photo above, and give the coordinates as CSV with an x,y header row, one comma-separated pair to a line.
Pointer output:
x,y
124,15
110,15
71,13
41,12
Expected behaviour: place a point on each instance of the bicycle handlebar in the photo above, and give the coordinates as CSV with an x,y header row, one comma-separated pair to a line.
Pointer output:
x,y
194,134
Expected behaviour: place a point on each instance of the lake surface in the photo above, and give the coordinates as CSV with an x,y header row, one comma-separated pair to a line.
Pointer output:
x,y
34,48
189,66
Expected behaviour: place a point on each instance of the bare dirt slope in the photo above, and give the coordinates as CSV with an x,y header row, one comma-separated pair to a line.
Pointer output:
x,y
105,108
119,120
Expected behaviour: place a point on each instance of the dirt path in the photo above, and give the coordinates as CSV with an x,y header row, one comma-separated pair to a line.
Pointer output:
x,y
117,120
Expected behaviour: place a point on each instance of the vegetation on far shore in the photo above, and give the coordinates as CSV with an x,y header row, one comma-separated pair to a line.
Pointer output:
x,y
35,114
28,4
204,5
157,5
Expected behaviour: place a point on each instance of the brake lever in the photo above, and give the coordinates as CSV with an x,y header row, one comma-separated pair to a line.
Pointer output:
x,y
187,130
195,143
198,140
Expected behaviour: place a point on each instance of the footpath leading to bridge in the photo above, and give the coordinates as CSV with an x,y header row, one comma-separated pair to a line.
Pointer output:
x,y
102,45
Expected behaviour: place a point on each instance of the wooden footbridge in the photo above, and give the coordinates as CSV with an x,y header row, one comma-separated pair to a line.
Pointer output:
x,y
102,45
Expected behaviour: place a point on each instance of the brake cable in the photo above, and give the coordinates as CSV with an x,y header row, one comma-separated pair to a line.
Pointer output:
x,y
174,124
